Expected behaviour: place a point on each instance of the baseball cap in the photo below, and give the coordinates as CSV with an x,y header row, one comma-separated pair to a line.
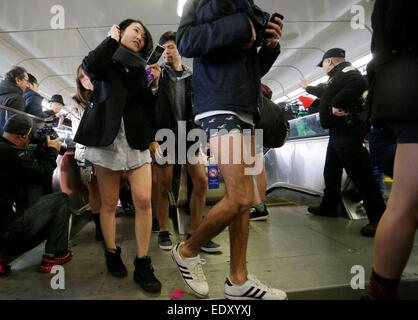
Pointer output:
x,y
332,53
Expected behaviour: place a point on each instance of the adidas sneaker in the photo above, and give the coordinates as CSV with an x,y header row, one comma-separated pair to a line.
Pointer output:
x,y
252,289
191,271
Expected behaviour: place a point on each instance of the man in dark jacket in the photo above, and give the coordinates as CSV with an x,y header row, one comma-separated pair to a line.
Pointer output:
x,y
29,214
222,37
33,99
339,112
175,104
11,89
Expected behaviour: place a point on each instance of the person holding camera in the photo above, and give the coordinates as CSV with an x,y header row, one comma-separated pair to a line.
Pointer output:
x,y
339,111
30,213
117,128
223,38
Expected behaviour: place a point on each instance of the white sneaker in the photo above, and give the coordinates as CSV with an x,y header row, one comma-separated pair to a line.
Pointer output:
x,y
252,289
191,271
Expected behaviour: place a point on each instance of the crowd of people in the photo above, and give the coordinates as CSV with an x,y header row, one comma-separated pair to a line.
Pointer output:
x,y
121,103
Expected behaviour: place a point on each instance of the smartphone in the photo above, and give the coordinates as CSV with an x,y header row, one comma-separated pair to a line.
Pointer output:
x,y
155,55
272,17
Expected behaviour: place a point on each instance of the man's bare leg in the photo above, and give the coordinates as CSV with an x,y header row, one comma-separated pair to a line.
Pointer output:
x,y
165,178
234,206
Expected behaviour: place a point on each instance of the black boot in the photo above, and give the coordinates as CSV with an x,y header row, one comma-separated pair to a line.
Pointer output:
x,y
114,263
318,211
369,230
144,275
96,219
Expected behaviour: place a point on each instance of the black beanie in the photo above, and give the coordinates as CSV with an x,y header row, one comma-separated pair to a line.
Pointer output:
x,y
19,124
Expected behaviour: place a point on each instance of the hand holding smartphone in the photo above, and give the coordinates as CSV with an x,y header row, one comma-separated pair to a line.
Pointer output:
x,y
272,19
155,55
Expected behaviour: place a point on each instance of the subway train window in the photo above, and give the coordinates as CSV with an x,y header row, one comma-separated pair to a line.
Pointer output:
x,y
208,150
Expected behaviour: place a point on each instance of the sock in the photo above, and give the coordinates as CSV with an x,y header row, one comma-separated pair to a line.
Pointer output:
x,y
111,250
381,288
259,206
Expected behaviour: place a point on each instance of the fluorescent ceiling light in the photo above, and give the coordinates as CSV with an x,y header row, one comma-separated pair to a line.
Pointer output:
x,y
180,5
363,61
318,81
284,98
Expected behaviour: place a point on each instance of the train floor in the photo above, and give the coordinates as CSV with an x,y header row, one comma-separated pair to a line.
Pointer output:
x,y
307,256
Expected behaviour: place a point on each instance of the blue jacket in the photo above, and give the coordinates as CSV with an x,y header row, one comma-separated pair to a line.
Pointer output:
x,y
33,103
225,76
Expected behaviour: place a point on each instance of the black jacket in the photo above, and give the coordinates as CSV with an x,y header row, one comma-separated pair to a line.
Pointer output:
x,y
344,90
10,96
19,172
118,93
167,110
393,72
318,90
225,77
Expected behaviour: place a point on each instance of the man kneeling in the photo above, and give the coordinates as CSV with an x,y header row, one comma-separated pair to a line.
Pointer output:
x,y
30,213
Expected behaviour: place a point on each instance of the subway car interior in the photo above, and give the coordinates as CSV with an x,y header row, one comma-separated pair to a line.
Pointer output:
x,y
309,256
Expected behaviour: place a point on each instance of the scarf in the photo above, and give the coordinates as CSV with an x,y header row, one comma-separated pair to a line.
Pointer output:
x,y
128,58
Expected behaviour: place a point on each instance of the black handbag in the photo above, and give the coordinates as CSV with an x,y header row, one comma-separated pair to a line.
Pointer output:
x,y
273,122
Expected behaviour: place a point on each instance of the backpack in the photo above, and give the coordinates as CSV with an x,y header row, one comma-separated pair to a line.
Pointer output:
x,y
273,122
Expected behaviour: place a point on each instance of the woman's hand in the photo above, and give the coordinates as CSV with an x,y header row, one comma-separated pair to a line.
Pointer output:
x,y
114,32
155,72
339,112
155,150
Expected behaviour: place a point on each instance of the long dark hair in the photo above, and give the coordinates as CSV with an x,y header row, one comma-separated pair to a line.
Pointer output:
x,y
148,44
83,95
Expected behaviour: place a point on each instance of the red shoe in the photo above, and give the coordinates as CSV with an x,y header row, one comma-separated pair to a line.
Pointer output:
x,y
4,267
47,263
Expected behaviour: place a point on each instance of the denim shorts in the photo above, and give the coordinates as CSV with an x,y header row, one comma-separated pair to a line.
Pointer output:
x,y
405,132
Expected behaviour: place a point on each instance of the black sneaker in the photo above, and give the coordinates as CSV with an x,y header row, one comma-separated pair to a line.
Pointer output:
x,y
369,230
144,275
318,211
155,225
164,240
211,247
96,219
256,215
114,263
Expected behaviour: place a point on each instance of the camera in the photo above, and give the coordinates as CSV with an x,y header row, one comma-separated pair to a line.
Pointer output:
x,y
39,137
